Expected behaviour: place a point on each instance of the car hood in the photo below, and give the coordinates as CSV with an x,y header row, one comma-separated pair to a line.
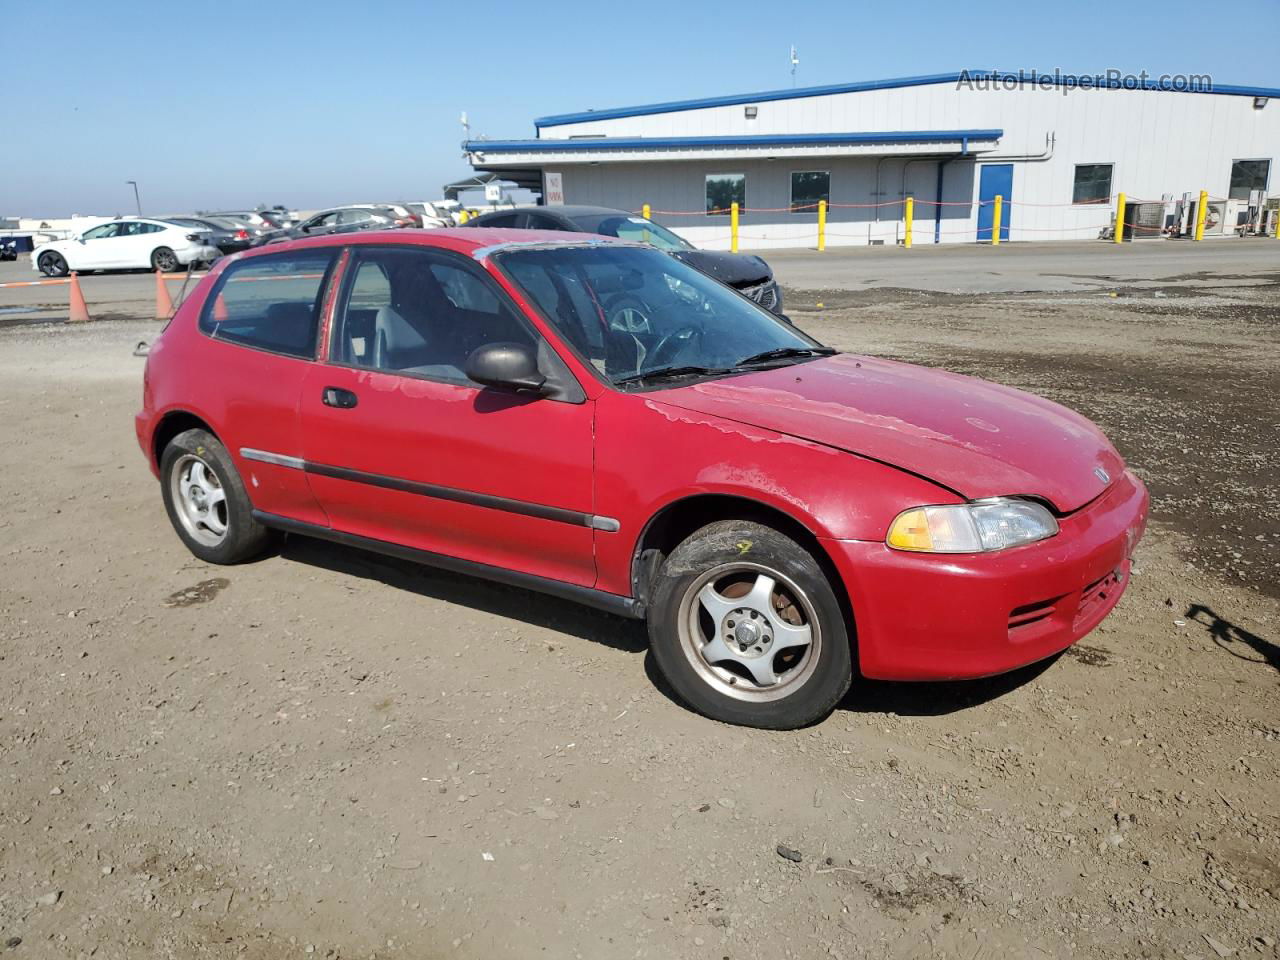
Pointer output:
x,y
735,269
976,438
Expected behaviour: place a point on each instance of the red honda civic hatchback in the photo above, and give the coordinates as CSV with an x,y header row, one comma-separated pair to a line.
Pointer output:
x,y
597,420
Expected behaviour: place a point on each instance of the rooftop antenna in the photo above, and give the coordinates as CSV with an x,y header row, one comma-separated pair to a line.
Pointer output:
x,y
795,62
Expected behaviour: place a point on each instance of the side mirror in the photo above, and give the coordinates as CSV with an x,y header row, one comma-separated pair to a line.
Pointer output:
x,y
509,365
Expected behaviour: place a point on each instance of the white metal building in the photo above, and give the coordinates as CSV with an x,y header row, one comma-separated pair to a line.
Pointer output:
x,y
1056,148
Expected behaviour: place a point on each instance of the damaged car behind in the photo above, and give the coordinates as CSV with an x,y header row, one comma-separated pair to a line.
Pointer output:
x,y
750,275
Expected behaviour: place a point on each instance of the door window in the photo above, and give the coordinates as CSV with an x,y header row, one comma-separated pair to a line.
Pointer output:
x,y
500,220
133,228
102,232
322,222
270,302
422,314
540,221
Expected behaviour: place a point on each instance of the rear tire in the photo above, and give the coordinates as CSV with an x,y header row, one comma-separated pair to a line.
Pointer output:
x,y
206,500
52,264
164,260
747,629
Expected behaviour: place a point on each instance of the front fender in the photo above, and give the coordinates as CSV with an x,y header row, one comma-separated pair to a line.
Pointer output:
x,y
650,456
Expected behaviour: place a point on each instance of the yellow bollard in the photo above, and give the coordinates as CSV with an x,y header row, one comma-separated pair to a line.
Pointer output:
x,y
822,225
733,227
908,214
644,212
1119,231
996,214
1202,208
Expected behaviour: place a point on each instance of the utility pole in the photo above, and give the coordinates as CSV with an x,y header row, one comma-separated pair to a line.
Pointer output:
x,y
136,201
795,62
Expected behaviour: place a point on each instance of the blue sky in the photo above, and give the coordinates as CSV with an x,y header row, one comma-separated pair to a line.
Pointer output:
x,y
314,103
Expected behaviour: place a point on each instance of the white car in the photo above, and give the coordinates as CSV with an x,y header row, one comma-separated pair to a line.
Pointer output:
x,y
126,244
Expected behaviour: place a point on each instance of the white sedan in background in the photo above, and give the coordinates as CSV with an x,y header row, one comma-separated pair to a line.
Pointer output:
x,y
125,245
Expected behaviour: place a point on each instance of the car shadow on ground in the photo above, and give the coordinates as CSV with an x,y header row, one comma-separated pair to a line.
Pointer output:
x,y
478,594
1237,641
865,696
937,699
904,699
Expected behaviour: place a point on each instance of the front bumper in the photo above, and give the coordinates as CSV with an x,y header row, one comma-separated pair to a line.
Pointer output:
x,y
948,617
768,294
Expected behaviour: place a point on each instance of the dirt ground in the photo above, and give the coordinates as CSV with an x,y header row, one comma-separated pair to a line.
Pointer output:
x,y
330,754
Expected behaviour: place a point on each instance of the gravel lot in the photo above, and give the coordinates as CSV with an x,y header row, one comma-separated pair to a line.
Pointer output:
x,y
330,754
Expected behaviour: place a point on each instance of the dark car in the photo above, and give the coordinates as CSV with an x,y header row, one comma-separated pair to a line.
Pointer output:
x,y
227,236
747,274
339,220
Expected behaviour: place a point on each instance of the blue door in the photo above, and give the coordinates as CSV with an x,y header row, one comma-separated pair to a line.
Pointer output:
x,y
997,179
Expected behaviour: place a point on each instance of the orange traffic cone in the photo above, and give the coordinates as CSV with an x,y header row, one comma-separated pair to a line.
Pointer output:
x,y
79,311
164,303
219,310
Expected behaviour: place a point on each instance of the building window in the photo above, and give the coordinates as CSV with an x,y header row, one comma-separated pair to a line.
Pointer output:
x,y
1093,183
1247,175
724,190
807,188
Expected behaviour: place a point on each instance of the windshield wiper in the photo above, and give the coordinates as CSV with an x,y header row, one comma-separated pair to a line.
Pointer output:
x,y
785,353
668,373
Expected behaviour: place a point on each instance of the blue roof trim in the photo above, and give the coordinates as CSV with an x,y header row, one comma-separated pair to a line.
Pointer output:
x,y
1057,79
766,140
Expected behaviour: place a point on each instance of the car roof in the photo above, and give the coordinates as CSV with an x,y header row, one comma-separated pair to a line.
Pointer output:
x,y
464,240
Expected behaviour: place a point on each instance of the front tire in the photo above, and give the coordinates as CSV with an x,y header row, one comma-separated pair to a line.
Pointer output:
x,y
164,260
206,500
52,264
746,627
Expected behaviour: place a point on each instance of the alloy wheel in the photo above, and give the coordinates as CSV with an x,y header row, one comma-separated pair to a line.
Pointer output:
x,y
199,500
749,631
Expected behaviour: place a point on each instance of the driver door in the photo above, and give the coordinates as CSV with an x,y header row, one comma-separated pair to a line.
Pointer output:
x,y
322,225
101,247
401,447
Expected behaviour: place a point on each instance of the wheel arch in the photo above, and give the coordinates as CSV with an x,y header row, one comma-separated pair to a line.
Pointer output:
x,y
151,259
171,424
667,528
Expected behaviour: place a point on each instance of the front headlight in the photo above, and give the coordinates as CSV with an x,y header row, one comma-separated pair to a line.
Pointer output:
x,y
976,527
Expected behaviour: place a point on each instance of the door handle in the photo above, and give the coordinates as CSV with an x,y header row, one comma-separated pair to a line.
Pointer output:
x,y
337,397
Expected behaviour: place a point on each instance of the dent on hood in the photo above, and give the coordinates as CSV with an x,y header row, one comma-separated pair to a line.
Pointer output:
x,y
770,396
866,370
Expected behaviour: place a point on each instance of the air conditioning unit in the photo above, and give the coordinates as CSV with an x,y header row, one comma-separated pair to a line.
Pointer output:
x,y
1144,221
1214,218
1235,216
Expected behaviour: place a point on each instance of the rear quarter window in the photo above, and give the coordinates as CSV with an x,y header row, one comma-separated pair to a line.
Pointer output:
x,y
270,302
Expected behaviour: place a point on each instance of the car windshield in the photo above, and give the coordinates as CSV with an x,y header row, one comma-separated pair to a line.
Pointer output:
x,y
636,229
642,318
